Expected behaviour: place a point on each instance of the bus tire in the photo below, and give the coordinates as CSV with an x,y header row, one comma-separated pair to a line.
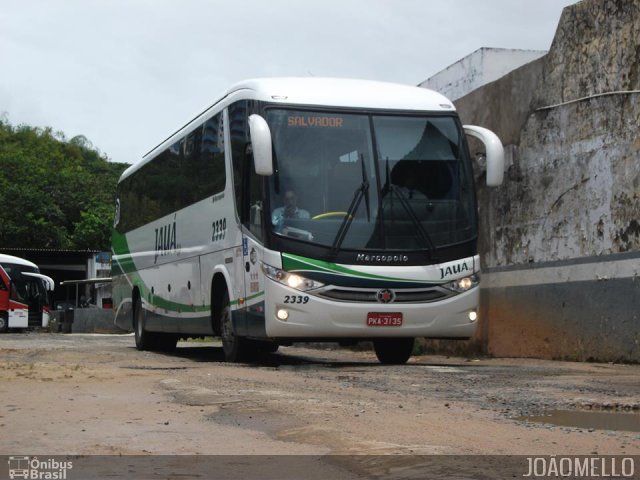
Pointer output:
x,y
146,340
4,322
143,340
236,348
393,351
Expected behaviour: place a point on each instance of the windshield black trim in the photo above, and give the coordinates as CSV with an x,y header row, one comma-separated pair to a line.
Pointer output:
x,y
376,165
362,111
445,253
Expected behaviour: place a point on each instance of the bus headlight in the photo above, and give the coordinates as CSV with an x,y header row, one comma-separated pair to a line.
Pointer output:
x,y
463,284
292,280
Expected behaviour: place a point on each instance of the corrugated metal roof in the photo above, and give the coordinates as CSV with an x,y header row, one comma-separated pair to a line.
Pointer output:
x,y
49,250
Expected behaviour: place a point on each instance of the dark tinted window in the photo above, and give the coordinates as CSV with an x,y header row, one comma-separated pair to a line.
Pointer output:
x,y
246,183
239,134
210,163
190,170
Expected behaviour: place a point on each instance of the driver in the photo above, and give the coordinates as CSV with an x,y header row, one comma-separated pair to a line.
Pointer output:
x,y
289,210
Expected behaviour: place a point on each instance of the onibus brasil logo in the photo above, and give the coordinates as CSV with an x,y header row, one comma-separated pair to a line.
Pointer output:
x,y
35,469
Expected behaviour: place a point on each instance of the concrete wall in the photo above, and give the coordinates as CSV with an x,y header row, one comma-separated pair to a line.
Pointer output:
x,y
560,240
477,69
85,320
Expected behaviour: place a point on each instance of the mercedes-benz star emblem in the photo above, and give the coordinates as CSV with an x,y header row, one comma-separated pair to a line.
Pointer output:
x,y
385,296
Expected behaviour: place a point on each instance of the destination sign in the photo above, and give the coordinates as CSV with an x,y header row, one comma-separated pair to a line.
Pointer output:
x,y
315,121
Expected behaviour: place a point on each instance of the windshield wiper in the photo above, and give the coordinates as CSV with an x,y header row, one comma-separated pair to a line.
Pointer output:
x,y
364,180
361,191
422,233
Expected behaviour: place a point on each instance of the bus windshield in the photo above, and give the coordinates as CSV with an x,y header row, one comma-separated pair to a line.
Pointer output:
x,y
370,181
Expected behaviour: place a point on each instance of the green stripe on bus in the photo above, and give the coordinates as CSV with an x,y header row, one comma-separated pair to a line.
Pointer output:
x,y
159,302
124,265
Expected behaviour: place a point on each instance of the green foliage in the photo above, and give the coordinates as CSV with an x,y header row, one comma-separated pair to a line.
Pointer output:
x,y
54,193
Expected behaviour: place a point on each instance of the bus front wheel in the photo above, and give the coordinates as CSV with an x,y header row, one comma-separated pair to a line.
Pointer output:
x,y
236,348
393,351
4,322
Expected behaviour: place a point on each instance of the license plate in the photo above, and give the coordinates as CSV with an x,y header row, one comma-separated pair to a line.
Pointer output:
x,y
378,319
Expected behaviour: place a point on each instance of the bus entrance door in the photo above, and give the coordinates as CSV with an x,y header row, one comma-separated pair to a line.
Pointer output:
x,y
254,287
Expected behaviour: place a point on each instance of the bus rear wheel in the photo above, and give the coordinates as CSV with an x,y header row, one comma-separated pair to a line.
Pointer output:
x,y
146,340
393,351
4,322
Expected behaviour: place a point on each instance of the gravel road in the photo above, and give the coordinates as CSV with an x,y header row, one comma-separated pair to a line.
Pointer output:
x,y
97,395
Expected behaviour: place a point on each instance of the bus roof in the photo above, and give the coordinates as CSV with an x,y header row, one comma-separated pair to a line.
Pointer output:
x,y
316,91
16,261
344,92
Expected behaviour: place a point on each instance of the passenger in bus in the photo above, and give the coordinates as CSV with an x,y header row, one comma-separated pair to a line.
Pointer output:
x,y
289,210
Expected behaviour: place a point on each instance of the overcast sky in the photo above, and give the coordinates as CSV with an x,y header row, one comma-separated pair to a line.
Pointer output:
x,y
127,73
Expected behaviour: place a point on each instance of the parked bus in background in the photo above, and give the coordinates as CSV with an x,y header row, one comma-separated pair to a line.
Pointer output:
x,y
24,294
304,210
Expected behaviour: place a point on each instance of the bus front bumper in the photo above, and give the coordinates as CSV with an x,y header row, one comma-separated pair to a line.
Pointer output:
x,y
291,313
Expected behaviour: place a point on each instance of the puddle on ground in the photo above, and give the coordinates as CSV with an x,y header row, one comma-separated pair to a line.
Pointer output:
x,y
253,417
617,421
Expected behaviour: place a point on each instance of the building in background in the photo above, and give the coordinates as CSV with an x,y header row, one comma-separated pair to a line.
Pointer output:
x,y
477,69
80,270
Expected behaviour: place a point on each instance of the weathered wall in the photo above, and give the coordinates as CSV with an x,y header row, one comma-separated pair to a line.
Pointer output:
x,y
572,187
596,49
560,240
504,105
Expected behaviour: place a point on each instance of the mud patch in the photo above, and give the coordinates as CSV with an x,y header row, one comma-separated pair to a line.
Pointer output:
x,y
428,466
197,396
251,416
616,421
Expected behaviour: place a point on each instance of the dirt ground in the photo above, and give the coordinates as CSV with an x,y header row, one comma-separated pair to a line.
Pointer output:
x,y
97,395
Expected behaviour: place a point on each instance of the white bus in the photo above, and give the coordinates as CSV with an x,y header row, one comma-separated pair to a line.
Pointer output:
x,y
304,210
24,294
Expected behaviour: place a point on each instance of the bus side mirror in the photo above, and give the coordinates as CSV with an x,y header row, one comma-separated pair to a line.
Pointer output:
x,y
495,153
261,143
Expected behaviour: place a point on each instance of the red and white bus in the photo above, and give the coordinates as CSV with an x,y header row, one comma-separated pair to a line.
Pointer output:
x,y
24,294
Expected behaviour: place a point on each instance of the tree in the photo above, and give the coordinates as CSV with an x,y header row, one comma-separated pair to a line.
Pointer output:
x,y
54,193
94,227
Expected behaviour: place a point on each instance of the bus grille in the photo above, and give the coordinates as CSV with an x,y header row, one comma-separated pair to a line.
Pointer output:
x,y
401,296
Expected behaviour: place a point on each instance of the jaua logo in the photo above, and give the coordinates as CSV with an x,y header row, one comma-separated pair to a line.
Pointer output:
x,y
166,240
454,269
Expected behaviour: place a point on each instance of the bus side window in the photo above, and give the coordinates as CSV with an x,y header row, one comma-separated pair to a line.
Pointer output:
x,y
247,184
239,135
